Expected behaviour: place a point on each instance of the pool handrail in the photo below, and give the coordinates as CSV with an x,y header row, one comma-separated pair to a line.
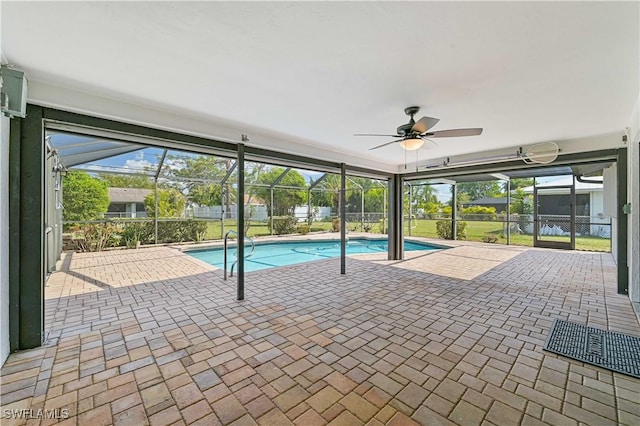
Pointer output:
x,y
226,238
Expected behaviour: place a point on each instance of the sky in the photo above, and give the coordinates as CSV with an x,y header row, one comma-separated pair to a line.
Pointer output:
x,y
147,159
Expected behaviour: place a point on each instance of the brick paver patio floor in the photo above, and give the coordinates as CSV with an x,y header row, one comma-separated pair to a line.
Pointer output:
x,y
152,336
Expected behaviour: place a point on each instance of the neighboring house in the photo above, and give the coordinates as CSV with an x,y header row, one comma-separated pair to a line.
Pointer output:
x,y
500,204
127,202
589,204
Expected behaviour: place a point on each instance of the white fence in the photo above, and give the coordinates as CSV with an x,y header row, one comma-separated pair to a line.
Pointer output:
x,y
258,213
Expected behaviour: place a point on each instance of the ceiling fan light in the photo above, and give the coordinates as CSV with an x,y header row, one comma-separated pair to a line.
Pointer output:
x,y
412,144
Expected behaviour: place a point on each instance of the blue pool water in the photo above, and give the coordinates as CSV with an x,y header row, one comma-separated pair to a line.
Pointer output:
x,y
272,254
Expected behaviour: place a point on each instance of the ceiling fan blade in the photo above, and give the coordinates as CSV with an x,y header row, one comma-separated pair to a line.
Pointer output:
x,y
454,133
375,134
385,144
424,124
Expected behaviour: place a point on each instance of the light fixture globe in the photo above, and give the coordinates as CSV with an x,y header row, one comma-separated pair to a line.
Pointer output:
x,y
412,144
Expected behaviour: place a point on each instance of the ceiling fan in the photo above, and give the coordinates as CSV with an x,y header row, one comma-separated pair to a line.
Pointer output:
x,y
413,133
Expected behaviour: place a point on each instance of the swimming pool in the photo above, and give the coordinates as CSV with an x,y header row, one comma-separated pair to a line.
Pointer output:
x,y
282,253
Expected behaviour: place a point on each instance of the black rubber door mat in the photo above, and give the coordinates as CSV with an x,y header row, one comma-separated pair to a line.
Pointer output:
x,y
607,349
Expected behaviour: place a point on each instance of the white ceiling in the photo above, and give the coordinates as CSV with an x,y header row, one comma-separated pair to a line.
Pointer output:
x,y
315,73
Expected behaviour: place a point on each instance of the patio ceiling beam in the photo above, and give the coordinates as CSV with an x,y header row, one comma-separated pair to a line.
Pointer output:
x,y
59,120
451,172
289,160
126,132
279,178
442,181
368,173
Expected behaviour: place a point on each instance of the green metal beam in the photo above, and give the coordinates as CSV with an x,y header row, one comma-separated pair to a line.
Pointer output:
x,y
454,211
240,229
396,226
65,117
367,173
289,160
229,173
314,184
122,130
160,163
623,267
279,178
506,166
343,220
31,279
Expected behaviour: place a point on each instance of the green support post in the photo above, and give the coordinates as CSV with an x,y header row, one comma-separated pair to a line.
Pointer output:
x,y
240,203
31,248
343,221
623,266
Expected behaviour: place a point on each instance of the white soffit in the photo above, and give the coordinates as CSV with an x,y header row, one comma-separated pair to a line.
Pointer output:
x,y
305,76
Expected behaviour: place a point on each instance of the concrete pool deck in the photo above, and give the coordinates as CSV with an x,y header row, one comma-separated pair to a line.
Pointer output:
x,y
447,337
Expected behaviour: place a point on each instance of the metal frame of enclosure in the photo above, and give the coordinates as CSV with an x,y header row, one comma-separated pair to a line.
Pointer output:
x,y
27,199
28,205
99,149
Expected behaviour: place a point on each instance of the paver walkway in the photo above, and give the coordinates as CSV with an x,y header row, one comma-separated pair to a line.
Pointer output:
x,y
452,337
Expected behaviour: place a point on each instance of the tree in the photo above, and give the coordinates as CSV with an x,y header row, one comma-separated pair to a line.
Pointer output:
x,y
521,204
330,194
83,197
138,180
423,196
374,199
285,200
171,203
198,177
477,190
518,183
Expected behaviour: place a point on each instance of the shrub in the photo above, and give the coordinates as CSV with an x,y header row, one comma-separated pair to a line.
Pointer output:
x,y
84,197
173,231
382,225
490,238
479,213
198,230
96,237
171,203
284,225
137,231
304,229
443,228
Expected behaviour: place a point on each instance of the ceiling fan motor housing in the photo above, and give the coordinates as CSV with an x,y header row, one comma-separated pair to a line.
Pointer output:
x,y
405,129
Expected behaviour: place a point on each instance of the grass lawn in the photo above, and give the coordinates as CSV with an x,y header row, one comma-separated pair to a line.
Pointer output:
x,y
476,231
257,229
